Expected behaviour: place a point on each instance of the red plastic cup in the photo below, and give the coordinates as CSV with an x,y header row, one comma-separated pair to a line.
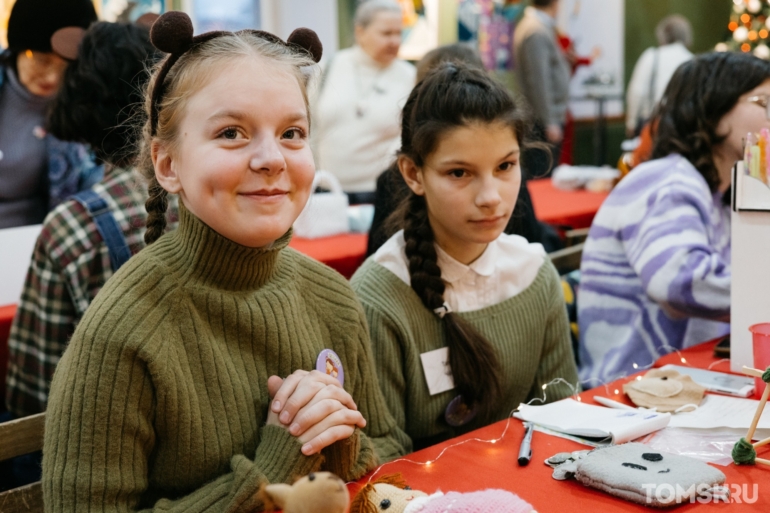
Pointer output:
x,y
760,334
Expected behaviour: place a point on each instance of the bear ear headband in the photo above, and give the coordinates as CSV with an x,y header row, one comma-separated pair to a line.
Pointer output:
x,y
65,42
173,33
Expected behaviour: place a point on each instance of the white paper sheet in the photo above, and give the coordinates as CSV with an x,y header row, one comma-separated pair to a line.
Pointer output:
x,y
586,420
722,411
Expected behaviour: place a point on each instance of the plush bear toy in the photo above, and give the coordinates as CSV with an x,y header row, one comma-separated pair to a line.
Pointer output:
x,y
390,493
665,390
317,492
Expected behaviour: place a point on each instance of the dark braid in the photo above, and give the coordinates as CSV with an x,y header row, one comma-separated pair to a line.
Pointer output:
x,y
421,253
475,369
156,206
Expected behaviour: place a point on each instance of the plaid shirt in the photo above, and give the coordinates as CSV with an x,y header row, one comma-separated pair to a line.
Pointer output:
x,y
70,264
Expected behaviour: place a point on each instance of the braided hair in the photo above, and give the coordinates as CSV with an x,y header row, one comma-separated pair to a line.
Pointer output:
x,y
453,95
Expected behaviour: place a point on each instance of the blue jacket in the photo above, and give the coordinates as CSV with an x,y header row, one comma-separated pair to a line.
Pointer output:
x,y
71,166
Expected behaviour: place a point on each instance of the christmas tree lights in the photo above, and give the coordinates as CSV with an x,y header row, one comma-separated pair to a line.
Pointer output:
x,y
749,28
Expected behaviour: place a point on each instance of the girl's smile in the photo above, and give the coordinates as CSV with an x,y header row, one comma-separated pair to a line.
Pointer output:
x,y
267,195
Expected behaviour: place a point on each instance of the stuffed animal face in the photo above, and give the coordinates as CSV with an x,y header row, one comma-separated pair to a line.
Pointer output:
x,y
637,473
317,492
665,390
386,497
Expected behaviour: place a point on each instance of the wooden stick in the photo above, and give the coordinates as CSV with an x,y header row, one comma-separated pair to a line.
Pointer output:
x,y
752,372
761,443
758,414
762,461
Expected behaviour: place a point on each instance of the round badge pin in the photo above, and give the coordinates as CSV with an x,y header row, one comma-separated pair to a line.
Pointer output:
x,y
329,363
457,412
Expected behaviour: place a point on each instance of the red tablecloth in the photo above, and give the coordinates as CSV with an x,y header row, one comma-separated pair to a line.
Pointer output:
x,y
6,318
341,252
479,465
575,209
701,356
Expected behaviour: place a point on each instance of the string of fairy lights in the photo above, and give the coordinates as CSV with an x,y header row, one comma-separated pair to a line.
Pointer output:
x,y
575,395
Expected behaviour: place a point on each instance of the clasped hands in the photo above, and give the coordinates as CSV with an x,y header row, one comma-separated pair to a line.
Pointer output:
x,y
313,407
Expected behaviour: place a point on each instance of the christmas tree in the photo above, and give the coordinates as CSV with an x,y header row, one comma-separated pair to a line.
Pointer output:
x,y
749,27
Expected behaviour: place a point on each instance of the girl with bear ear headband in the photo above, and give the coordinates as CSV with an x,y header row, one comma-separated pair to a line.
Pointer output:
x,y
188,383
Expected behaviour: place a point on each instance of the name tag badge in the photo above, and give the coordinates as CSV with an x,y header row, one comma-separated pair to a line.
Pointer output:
x,y
438,374
329,363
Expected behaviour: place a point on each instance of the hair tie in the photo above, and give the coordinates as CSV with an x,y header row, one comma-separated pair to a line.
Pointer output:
x,y
172,33
442,310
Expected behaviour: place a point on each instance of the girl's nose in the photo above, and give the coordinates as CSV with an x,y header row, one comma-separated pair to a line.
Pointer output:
x,y
268,158
489,195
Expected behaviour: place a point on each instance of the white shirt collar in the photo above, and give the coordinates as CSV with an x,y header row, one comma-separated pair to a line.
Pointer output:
x,y
452,270
508,266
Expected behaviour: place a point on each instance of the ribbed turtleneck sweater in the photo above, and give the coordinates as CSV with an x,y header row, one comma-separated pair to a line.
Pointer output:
x,y
160,400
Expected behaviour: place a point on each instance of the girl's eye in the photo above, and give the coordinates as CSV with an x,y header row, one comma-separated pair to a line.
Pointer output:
x,y
457,173
507,166
293,133
229,133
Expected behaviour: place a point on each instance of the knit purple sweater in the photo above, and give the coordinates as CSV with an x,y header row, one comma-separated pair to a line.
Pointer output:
x,y
655,274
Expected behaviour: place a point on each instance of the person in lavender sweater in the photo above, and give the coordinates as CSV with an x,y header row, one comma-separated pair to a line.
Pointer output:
x,y
655,274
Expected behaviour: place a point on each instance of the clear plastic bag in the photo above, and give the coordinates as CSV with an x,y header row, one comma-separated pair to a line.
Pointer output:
x,y
709,445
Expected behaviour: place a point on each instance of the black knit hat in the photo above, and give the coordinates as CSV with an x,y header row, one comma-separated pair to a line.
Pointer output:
x,y
33,22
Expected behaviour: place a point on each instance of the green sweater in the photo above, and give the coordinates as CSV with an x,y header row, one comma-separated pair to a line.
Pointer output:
x,y
160,400
529,331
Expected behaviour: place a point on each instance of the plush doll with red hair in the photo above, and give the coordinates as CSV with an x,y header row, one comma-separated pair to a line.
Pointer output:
x,y
390,493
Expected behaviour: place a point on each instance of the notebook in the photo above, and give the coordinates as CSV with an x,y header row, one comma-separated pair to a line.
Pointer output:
x,y
598,424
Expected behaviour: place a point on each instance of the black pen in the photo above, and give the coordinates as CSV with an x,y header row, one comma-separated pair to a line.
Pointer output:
x,y
525,451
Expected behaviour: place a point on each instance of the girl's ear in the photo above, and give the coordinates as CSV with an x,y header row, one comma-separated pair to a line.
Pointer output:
x,y
412,174
165,172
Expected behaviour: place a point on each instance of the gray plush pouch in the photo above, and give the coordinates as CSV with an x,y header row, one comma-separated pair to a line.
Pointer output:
x,y
637,473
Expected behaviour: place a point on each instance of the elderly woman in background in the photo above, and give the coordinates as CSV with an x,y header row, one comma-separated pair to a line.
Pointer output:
x,y
654,69
36,170
360,99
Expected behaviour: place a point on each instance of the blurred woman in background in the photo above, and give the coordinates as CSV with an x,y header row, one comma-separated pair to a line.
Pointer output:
x,y
359,102
654,69
36,170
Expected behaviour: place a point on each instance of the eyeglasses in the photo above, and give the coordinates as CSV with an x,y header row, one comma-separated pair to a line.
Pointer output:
x,y
762,100
43,61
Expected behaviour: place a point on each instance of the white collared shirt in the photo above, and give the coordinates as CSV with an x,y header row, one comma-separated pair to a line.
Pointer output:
x,y
506,268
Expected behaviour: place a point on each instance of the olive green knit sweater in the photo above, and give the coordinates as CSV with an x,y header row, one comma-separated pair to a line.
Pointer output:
x,y
161,398
529,331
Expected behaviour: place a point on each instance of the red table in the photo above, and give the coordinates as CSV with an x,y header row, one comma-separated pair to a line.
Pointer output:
x,y
341,252
478,465
6,319
575,209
